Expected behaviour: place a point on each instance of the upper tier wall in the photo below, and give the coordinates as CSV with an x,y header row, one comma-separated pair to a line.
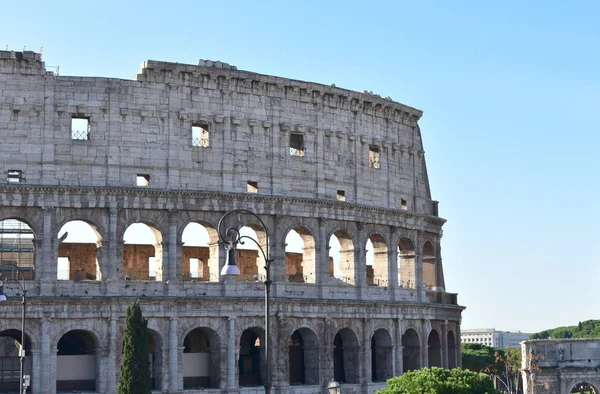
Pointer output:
x,y
145,127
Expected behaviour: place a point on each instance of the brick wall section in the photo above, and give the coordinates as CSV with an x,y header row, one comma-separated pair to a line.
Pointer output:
x,y
82,260
202,254
293,267
135,261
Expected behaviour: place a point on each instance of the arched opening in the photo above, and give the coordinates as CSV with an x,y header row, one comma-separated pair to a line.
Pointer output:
x,y
300,260
406,264
155,345
76,362
142,253
346,358
584,388
451,350
78,252
381,356
434,349
429,265
250,260
201,359
200,253
10,362
411,351
303,358
377,261
251,364
341,257
17,246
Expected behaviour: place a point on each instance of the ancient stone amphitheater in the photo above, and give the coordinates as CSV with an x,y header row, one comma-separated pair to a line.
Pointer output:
x,y
338,177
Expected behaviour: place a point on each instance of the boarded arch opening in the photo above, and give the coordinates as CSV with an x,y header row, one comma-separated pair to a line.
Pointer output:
x,y
17,246
303,358
406,264
346,357
381,356
10,362
300,260
377,261
341,253
411,351
78,252
200,253
76,362
142,253
201,359
434,349
251,363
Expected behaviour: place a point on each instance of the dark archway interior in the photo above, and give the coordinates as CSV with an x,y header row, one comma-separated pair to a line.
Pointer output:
x,y
411,355
251,359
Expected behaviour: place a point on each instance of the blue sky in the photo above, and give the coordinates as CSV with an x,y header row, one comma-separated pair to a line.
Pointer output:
x,y
510,93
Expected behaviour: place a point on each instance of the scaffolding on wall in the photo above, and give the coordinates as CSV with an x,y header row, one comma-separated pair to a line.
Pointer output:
x,y
16,247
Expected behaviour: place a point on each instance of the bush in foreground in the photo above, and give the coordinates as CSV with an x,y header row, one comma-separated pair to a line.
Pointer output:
x,y
440,381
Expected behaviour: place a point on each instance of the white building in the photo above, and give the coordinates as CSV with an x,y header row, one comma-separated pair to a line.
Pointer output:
x,y
494,338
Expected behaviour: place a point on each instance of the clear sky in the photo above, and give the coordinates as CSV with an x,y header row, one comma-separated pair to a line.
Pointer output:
x,y
510,92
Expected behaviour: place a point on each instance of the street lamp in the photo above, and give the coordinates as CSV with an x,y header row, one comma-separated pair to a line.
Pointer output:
x,y
334,387
21,285
232,237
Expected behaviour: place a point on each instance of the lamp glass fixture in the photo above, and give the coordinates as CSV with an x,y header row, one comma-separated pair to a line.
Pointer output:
x,y
230,268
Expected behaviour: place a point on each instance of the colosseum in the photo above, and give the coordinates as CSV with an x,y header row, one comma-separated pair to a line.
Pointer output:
x,y
114,189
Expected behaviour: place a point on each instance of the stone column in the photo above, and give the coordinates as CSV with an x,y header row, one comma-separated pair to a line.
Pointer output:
x,y
419,266
398,353
36,370
327,354
172,268
112,370
425,329
393,264
444,344
277,254
173,356
366,358
360,260
44,260
231,381
322,257
43,382
439,268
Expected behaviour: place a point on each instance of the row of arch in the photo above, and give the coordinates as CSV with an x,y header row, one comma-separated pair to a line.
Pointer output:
x,y
78,357
80,255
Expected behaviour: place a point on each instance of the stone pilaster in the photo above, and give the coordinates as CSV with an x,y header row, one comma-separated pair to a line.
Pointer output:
x,y
173,355
231,356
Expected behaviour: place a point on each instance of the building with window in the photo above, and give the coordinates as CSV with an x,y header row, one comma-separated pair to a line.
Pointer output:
x,y
113,192
494,338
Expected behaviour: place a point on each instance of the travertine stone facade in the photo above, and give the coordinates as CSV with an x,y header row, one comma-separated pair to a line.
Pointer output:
x,y
358,173
559,366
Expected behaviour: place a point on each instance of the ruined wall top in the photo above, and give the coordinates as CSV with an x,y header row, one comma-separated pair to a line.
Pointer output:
x,y
561,353
26,62
228,76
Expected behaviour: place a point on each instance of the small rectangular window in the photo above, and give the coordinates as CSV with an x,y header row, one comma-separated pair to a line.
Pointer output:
x,y
341,195
15,176
200,136
403,204
143,180
296,144
252,187
374,157
80,128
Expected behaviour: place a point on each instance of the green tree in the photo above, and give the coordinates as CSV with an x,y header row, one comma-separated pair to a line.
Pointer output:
x,y
478,357
507,369
440,381
135,370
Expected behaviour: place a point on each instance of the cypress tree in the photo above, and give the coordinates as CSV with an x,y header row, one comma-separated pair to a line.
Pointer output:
x,y
135,370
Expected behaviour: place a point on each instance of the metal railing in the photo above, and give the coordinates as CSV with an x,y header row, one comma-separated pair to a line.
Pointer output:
x,y
202,142
296,152
80,135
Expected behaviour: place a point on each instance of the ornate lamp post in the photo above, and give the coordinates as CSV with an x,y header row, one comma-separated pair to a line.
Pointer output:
x,y
21,283
334,387
232,237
